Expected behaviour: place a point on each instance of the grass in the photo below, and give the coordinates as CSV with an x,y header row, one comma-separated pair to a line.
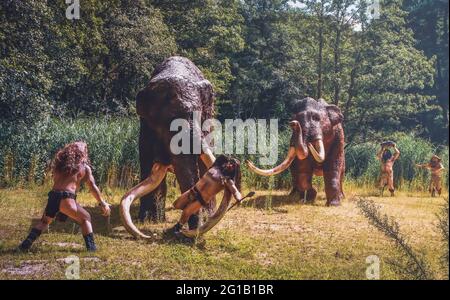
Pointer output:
x,y
287,241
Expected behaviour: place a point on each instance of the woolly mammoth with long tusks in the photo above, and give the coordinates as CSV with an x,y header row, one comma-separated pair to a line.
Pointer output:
x,y
176,91
317,147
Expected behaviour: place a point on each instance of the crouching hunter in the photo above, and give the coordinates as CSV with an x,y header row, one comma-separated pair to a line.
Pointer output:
x,y
224,173
70,168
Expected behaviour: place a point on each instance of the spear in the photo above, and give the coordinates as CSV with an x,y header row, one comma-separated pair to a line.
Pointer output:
x,y
251,194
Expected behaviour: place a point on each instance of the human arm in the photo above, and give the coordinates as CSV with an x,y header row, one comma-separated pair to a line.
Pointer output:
x,y
380,153
396,153
95,191
426,166
231,186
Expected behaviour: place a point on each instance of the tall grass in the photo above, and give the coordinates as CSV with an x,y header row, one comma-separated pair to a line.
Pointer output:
x,y
112,144
113,148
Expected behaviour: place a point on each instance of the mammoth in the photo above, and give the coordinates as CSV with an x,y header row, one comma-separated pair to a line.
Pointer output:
x,y
176,90
316,148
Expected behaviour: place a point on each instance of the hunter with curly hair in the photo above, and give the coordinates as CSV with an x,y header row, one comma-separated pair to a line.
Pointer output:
x,y
70,168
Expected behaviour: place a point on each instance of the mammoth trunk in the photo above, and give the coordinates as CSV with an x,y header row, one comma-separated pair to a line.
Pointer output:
x,y
301,149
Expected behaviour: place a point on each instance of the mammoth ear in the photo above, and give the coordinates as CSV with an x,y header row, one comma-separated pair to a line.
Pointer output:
x,y
335,114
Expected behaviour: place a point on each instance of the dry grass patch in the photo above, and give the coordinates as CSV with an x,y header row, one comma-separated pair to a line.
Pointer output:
x,y
289,241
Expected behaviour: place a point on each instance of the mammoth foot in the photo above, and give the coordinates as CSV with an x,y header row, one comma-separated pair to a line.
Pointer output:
x,y
334,202
307,197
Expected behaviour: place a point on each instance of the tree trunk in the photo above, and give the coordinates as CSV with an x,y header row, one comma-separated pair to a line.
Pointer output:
x,y
337,67
445,79
320,58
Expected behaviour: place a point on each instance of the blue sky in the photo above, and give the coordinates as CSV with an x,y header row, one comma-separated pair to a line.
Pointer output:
x,y
296,4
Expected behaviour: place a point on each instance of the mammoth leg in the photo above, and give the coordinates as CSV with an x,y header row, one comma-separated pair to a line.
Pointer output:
x,y
304,185
332,175
187,174
333,169
332,188
342,179
302,172
294,178
157,208
153,204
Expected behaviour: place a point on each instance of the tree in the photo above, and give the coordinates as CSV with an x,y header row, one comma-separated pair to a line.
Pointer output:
x,y
388,93
261,87
116,45
209,32
25,79
319,9
429,22
92,65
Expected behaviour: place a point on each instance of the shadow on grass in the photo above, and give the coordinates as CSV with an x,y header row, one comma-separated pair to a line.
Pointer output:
x,y
275,201
112,227
101,225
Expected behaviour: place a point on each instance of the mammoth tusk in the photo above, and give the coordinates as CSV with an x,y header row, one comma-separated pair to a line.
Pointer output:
x,y
213,220
208,157
278,169
143,188
318,156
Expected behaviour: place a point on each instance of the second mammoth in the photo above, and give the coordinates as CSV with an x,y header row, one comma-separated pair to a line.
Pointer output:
x,y
316,148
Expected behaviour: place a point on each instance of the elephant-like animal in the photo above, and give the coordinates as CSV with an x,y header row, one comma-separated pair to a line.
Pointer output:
x,y
176,90
317,148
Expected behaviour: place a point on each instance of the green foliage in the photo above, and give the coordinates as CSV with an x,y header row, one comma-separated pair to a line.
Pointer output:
x,y
260,88
112,142
281,181
208,32
52,65
386,74
388,78
25,80
429,21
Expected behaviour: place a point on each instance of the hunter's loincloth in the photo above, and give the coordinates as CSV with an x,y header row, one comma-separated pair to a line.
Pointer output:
x,y
435,181
384,177
54,200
